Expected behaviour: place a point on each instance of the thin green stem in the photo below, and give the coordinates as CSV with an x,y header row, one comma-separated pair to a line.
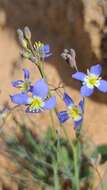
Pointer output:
x,y
56,177
76,157
76,168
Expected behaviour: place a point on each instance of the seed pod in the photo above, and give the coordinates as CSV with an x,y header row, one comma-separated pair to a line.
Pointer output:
x,y
27,33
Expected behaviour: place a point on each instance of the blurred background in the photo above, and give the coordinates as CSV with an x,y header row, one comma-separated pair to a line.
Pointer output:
x,y
78,24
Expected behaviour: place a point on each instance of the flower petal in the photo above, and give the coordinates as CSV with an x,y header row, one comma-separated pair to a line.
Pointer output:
x,y
50,103
68,100
96,69
20,99
40,89
17,83
79,76
26,73
63,116
78,123
85,91
103,86
81,104
46,48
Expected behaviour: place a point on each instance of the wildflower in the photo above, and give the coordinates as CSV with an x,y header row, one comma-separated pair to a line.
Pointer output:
x,y
69,56
38,101
23,85
73,111
91,80
42,51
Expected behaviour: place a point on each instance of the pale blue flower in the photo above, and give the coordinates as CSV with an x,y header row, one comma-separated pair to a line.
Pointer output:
x,y
91,80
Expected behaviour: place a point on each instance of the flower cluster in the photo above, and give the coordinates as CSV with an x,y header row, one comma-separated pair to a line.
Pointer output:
x,y
37,98
35,53
89,82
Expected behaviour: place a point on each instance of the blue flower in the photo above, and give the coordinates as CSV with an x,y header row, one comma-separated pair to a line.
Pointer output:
x,y
23,85
73,111
42,51
91,80
38,101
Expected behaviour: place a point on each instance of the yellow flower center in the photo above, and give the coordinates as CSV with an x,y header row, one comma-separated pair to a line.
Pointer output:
x,y
39,44
92,80
75,112
24,86
36,103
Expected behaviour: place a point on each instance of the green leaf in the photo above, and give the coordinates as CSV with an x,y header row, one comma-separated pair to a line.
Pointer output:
x,y
102,149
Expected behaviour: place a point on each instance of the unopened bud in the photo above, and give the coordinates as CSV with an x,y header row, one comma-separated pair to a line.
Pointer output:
x,y
27,33
20,33
25,54
69,56
22,41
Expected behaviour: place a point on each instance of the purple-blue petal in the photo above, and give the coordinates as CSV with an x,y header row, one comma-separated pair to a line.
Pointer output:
x,y
31,88
86,91
68,100
63,116
46,48
47,55
103,86
20,99
78,123
40,89
26,73
17,83
79,76
81,104
96,69
50,103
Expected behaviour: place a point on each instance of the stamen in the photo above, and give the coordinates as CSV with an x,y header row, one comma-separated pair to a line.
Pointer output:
x,y
25,86
91,80
36,104
75,112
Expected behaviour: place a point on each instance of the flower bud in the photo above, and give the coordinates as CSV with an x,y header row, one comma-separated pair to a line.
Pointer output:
x,y
69,56
27,33
25,54
22,41
20,33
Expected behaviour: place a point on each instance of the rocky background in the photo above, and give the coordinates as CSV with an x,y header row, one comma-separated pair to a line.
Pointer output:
x,y
78,24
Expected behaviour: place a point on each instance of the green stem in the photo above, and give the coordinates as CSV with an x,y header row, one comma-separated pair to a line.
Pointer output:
x,y
76,168
56,178
76,157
